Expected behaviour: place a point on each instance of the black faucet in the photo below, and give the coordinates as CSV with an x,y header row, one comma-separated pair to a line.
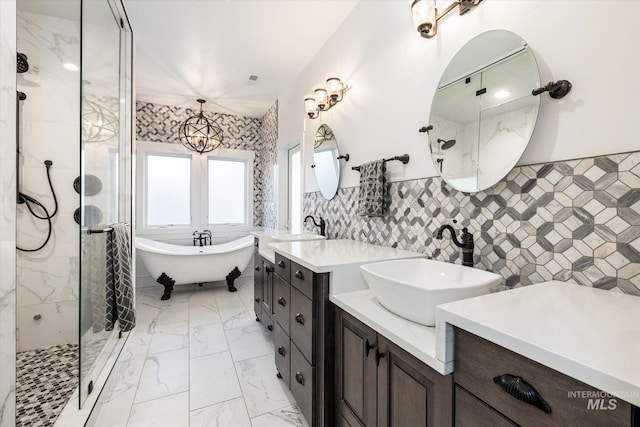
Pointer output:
x,y
322,225
466,245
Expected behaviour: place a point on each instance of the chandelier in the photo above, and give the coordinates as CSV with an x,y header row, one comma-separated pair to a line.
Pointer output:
x,y
200,134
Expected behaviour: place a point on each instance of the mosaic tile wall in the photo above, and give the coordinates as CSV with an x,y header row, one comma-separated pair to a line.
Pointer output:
x,y
576,220
268,163
160,123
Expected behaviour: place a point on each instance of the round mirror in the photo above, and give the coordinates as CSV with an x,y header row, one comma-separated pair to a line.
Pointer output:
x,y
483,113
325,161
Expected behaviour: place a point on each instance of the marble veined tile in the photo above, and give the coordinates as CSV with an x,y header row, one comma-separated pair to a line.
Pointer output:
x,y
169,336
249,341
212,380
207,339
203,310
284,417
174,313
170,411
230,413
235,317
164,374
263,391
138,341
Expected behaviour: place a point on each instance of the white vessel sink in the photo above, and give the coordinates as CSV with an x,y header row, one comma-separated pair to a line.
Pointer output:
x,y
297,237
412,288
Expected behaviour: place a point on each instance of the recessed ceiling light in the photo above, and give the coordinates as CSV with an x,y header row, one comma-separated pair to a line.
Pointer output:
x,y
502,93
70,66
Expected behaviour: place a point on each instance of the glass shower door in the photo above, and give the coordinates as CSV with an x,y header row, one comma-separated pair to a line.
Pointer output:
x,y
104,177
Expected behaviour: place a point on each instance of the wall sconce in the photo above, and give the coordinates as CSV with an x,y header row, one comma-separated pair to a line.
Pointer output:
x,y
324,98
426,16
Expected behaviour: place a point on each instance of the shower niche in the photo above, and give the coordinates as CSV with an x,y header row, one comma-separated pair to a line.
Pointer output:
x,y
76,112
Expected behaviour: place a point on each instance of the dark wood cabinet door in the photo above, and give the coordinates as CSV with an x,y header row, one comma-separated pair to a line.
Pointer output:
x,y
472,412
410,394
267,284
355,370
257,285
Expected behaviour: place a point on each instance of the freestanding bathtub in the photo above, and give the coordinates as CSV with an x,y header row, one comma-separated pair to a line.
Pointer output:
x,y
178,265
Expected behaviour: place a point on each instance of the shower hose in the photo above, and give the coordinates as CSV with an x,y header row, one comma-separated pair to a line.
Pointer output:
x,y
30,201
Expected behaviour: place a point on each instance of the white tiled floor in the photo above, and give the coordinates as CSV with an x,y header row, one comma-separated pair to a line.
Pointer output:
x,y
199,359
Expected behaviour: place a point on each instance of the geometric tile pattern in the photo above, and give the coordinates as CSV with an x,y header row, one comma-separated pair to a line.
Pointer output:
x,y
44,382
576,220
266,159
160,123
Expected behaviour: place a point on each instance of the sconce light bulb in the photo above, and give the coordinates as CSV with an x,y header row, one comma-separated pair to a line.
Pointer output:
x,y
322,99
424,15
335,89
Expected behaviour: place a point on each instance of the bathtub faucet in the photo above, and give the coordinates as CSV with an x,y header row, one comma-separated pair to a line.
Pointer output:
x,y
322,225
202,237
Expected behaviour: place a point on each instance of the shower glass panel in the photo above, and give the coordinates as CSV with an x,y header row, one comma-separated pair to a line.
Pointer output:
x,y
105,152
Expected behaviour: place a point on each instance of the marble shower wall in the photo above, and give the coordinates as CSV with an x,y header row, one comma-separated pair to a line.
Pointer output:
x,y
160,123
576,220
7,213
48,279
268,164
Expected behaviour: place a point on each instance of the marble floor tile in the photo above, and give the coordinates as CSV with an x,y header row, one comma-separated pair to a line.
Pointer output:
x,y
237,317
284,417
212,379
203,310
175,312
169,336
164,374
207,339
226,414
263,392
138,341
249,341
170,411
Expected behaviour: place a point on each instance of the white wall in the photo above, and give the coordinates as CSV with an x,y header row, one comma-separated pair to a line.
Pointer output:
x,y
7,213
394,73
48,279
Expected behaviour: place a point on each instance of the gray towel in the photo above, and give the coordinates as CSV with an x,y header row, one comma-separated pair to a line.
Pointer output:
x,y
371,198
119,292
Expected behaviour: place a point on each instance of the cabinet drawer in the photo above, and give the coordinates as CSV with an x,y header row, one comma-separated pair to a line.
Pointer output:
x,y
281,302
283,354
302,279
472,412
283,267
302,382
479,361
301,328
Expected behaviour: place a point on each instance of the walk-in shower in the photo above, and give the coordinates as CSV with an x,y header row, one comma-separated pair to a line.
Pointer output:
x,y
74,117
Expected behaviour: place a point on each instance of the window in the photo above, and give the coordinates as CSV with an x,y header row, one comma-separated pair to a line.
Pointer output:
x,y
180,191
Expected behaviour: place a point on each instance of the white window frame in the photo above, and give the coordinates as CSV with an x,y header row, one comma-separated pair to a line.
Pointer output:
x,y
199,188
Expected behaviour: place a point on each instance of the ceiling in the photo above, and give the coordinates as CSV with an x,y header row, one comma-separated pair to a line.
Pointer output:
x,y
188,49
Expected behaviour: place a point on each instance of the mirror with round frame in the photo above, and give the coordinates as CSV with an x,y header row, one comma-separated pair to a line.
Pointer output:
x,y
483,112
326,164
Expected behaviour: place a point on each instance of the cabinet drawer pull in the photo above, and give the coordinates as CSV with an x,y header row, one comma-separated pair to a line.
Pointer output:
x,y
282,301
257,268
299,275
269,270
281,264
299,318
270,327
257,300
379,356
368,347
522,390
300,377
281,351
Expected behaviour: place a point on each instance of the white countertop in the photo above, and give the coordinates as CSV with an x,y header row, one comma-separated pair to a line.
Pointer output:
x,y
267,235
323,256
418,340
586,333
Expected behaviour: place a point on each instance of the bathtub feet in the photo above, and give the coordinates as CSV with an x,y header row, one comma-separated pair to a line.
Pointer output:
x,y
168,283
231,277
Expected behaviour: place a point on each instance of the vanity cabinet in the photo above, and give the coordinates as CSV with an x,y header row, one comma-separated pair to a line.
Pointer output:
x,y
257,281
303,322
263,291
380,384
479,400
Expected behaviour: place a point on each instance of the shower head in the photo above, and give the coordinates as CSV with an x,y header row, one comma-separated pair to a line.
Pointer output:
x,y
23,65
447,144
